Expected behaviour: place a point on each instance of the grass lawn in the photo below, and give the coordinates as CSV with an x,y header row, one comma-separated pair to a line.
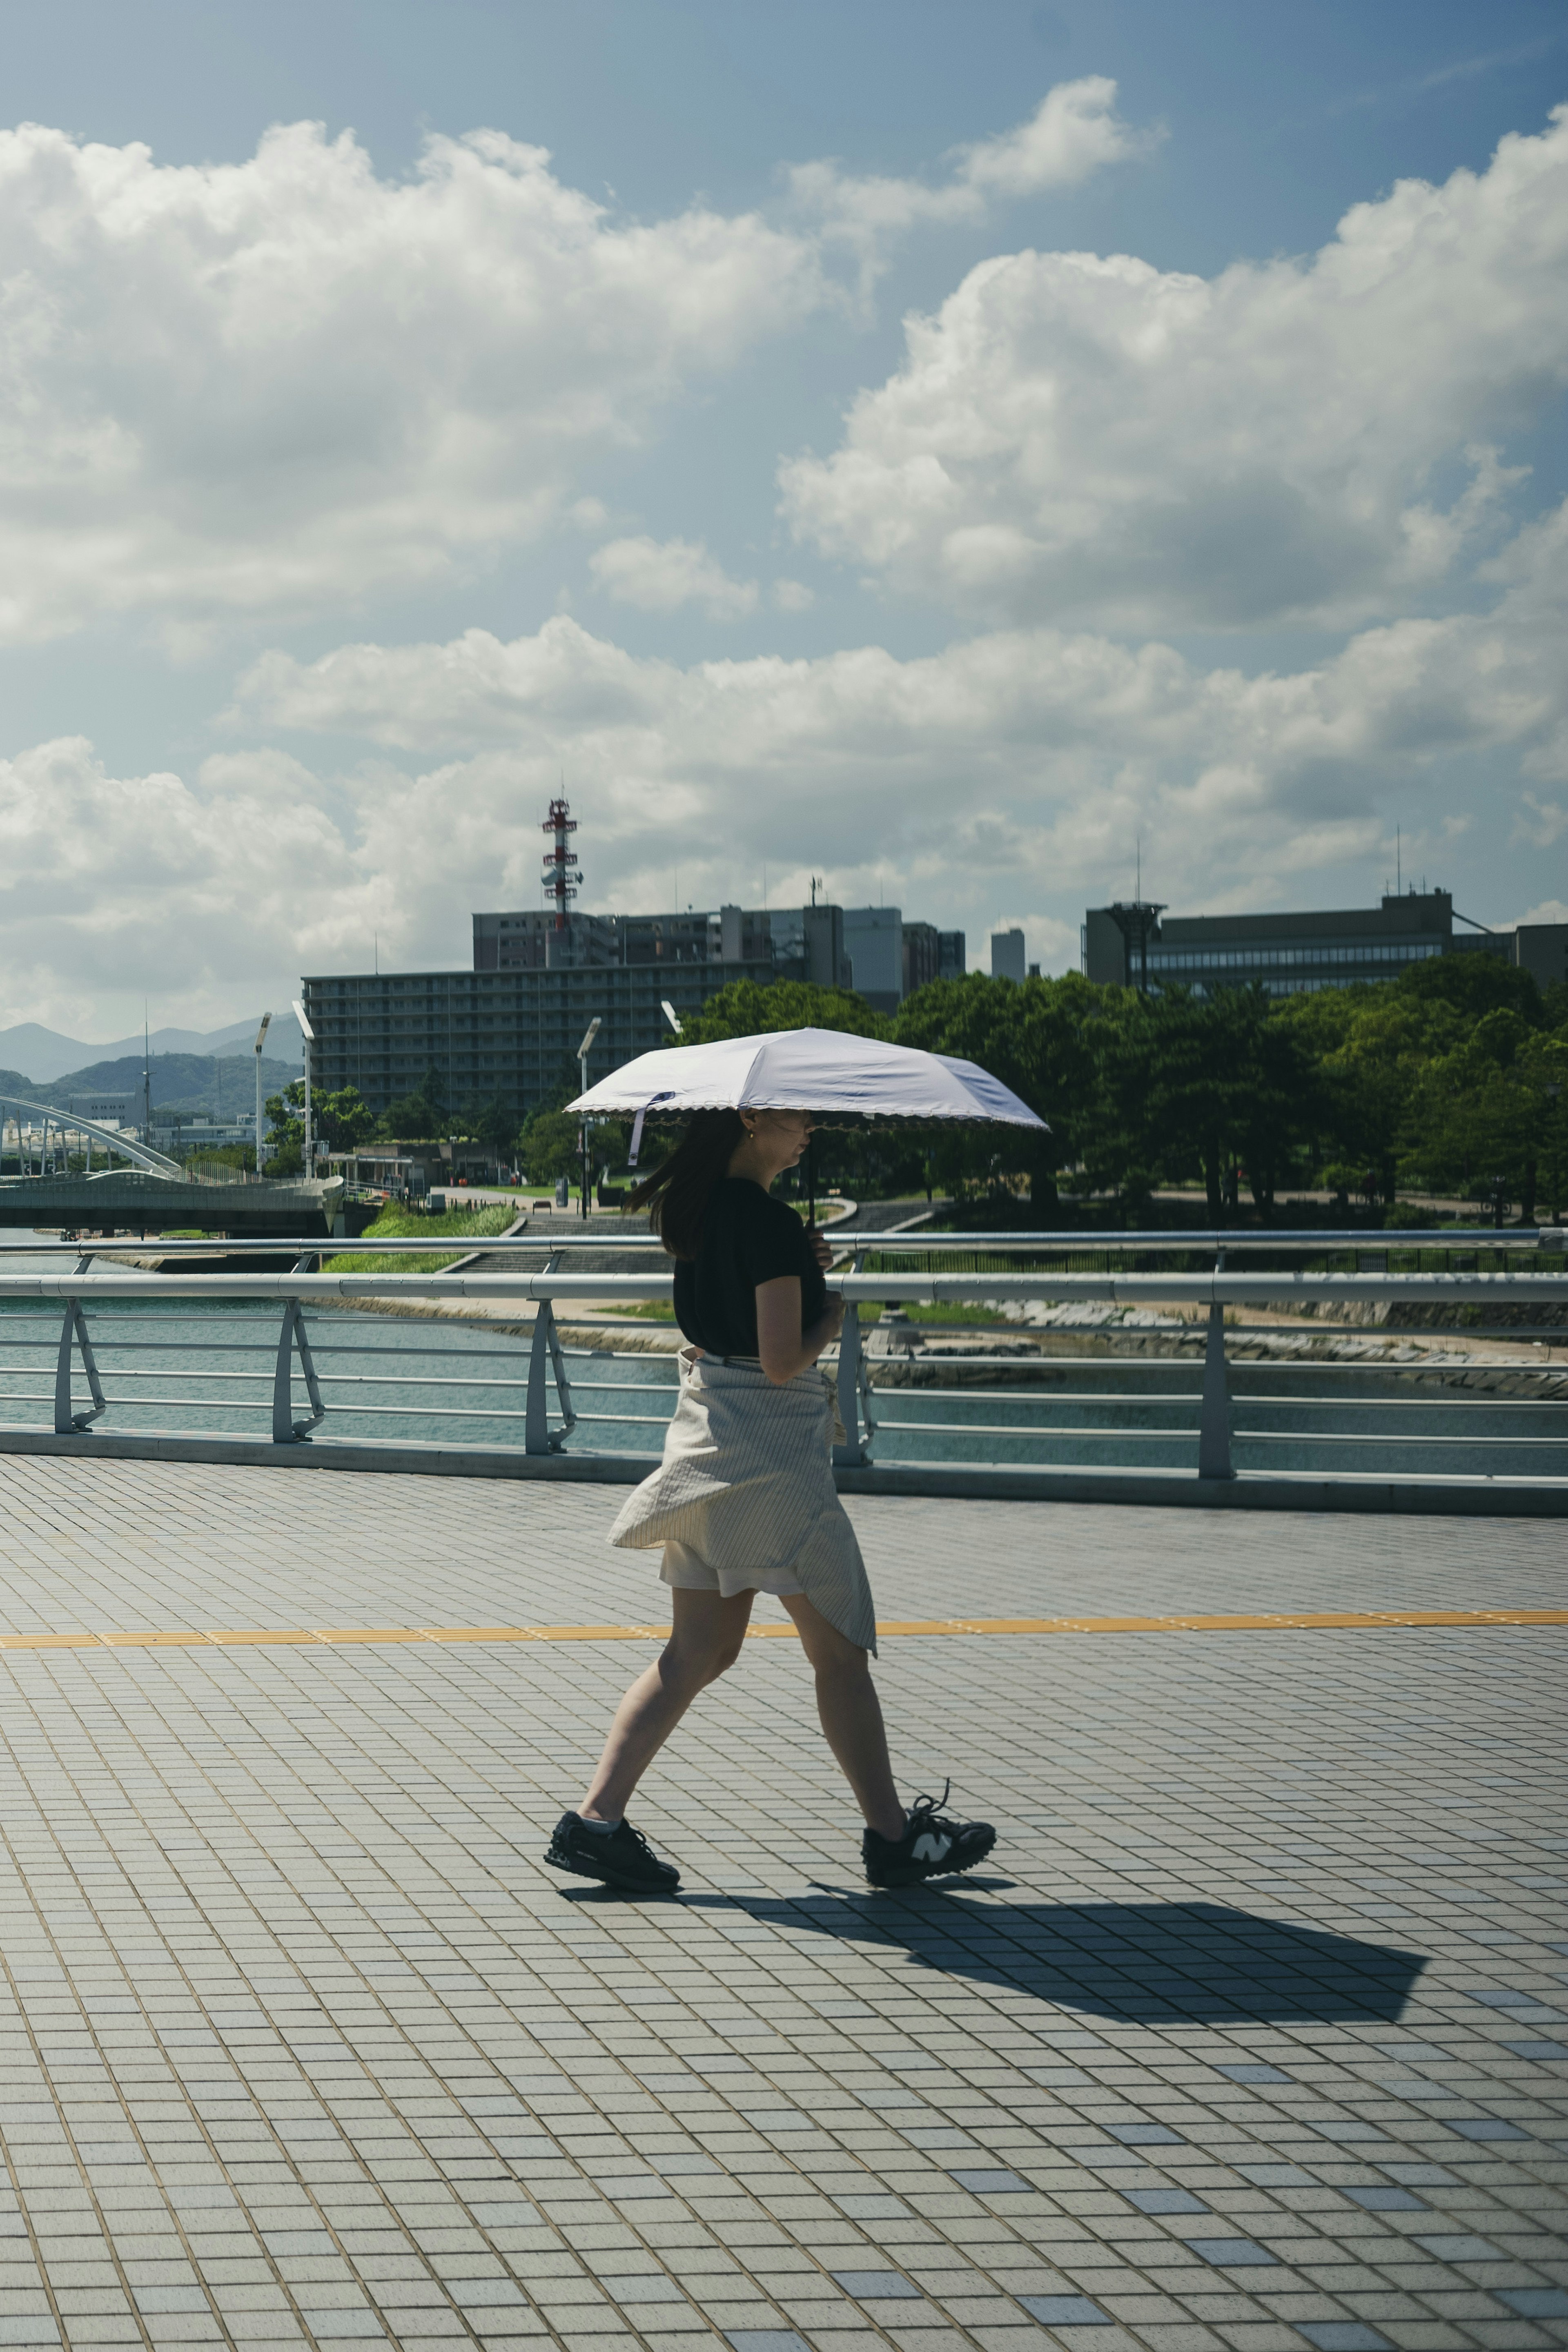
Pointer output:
x,y
462,1226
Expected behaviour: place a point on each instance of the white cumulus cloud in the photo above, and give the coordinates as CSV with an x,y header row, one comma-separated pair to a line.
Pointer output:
x,y
1015,767
659,576
1034,755
1074,131
1081,436
267,387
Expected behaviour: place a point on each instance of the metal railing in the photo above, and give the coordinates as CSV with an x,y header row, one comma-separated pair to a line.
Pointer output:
x,y
290,1354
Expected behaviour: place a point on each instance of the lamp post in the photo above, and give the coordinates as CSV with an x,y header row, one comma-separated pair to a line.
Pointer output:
x,y
260,1041
309,1034
584,1050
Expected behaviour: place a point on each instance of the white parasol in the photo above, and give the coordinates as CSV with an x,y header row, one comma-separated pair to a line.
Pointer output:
x,y
824,1070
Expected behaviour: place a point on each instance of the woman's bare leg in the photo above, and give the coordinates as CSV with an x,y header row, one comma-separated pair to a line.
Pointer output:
x,y
851,1715
705,1639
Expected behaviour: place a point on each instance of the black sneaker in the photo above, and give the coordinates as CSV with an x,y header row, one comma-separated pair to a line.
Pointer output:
x,y
621,1857
932,1847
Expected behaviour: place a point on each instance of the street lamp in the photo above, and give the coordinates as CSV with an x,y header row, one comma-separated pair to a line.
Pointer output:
x,y
260,1041
309,1034
584,1050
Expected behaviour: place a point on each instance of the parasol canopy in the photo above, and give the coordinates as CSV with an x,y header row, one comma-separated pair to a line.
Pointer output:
x,y
824,1070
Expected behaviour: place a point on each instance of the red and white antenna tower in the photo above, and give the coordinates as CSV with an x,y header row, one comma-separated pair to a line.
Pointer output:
x,y
562,871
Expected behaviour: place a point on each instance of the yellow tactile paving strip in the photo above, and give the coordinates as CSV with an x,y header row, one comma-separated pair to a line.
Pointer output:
x,y
1268,1622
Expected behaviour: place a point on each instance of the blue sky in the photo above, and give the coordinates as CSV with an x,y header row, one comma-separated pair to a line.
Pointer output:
x,y
929,445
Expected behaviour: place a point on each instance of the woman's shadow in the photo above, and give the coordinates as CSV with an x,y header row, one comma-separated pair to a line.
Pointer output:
x,y
1150,1962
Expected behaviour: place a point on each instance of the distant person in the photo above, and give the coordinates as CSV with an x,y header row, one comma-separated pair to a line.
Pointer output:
x,y
745,1503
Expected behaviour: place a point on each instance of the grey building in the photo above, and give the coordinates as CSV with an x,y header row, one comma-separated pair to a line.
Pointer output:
x,y
808,944
1541,949
1286,953
530,941
874,943
108,1109
793,943
512,1025
511,1031
950,965
1007,955
922,955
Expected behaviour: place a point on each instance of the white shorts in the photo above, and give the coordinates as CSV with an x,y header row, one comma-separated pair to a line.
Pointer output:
x,y
681,1566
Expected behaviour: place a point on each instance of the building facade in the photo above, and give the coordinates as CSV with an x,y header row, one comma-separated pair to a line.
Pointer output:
x,y
1007,955
874,943
510,1032
1541,949
511,1026
870,948
1284,954
922,955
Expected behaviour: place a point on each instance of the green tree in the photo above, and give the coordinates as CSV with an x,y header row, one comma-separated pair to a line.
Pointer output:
x,y
747,1009
421,1116
343,1120
286,1130
493,1122
1034,1037
1485,1119
550,1145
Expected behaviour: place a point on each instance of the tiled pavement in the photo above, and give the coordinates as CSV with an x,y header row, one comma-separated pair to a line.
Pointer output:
x,y
1255,2035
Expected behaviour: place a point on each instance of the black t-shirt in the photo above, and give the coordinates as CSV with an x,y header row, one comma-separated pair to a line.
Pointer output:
x,y
747,1237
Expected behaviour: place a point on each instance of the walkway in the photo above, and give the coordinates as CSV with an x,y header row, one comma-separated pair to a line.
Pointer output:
x,y
1254,2036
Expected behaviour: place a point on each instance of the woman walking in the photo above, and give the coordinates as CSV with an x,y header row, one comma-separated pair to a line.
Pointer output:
x,y
744,1503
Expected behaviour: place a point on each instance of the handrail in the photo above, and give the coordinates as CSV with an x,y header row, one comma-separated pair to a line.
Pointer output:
x,y
1205,1288
1068,1243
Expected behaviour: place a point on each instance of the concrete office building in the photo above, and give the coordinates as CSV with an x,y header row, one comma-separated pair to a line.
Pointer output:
x,y
1136,943
1541,949
795,944
874,943
1007,955
512,1032
870,948
106,1109
922,955
512,1025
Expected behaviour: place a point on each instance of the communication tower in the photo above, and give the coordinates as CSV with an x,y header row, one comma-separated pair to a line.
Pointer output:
x,y
562,871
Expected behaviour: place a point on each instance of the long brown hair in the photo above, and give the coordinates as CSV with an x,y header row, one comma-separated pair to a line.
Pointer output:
x,y
676,1194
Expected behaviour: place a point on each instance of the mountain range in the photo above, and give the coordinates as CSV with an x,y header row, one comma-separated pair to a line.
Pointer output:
x,y
219,1084
50,1057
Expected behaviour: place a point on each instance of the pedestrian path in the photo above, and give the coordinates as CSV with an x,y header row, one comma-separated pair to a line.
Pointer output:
x,y
1253,2034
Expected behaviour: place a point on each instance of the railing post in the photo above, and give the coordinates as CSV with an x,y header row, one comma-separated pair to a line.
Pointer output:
x,y
1214,1423
536,1428
286,1430
74,1330
851,1454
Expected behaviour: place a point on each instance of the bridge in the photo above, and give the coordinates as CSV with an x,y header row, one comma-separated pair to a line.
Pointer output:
x,y
153,1195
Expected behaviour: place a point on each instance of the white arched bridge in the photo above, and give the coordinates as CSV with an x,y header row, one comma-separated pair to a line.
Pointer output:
x,y
70,1122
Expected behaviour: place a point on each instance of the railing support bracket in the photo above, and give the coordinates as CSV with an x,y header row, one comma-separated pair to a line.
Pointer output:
x,y
1213,1424
73,1334
286,1430
545,1357
852,1453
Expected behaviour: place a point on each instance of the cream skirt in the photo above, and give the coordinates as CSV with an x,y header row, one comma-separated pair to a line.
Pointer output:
x,y
744,1500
